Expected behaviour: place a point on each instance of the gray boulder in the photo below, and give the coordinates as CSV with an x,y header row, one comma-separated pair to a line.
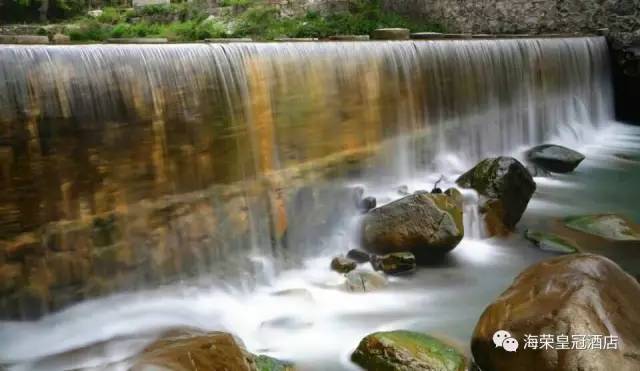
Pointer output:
x,y
554,158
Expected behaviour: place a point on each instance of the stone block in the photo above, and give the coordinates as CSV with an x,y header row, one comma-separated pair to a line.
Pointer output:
x,y
391,34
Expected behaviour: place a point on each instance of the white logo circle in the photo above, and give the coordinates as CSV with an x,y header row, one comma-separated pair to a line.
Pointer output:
x,y
510,344
499,337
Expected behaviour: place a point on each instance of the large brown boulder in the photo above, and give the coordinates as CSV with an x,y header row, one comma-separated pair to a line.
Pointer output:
x,y
564,298
428,225
505,187
187,350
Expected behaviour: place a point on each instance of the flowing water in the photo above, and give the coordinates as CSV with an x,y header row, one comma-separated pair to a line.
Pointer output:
x,y
267,140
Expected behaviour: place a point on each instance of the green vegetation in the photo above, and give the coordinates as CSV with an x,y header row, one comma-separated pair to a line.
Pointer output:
x,y
238,18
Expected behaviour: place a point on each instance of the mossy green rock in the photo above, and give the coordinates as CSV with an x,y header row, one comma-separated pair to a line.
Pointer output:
x,y
343,265
609,226
424,224
265,363
551,242
396,263
405,351
506,188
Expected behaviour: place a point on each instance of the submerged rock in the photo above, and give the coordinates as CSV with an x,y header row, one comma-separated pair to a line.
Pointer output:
x,y
609,226
569,296
407,350
362,281
343,265
506,188
554,158
551,242
425,224
399,262
358,256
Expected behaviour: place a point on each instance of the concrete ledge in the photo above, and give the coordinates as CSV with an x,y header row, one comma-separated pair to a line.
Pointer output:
x,y
457,36
349,38
138,40
390,34
295,39
427,36
23,39
229,40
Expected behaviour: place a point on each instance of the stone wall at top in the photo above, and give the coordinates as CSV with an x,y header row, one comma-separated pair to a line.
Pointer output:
x,y
524,16
621,18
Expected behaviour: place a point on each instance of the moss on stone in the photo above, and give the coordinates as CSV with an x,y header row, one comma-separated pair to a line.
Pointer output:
x,y
551,242
407,350
609,226
266,363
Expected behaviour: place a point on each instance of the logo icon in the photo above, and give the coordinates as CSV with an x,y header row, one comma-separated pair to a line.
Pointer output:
x,y
503,339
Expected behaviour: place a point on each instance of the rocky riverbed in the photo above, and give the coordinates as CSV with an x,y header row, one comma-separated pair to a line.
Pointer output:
x,y
313,318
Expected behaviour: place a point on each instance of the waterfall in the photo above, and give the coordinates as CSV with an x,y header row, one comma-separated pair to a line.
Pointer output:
x,y
206,151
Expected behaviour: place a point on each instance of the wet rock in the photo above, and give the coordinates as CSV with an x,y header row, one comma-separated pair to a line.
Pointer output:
x,y
367,204
554,158
609,226
343,265
358,256
187,350
551,242
537,171
191,350
425,224
505,187
391,34
407,350
395,263
574,295
362,281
